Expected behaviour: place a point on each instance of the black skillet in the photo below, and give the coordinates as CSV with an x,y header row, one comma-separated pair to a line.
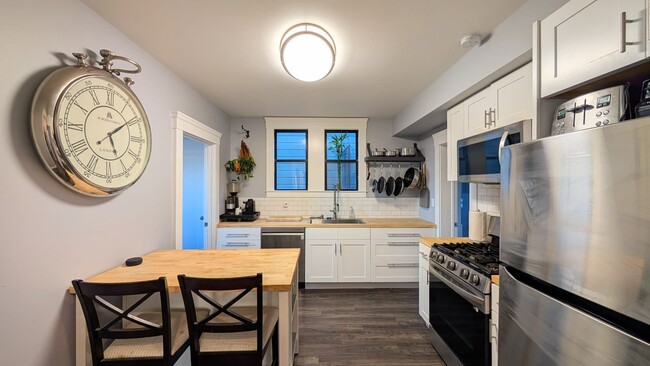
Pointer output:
x,y
399,186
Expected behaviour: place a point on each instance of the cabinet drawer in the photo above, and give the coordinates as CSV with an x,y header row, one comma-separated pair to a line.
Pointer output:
x,y
396,272
337,233
401,234
248,233
395,250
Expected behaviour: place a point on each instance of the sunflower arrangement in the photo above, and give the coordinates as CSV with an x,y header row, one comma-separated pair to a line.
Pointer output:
x,y
244,165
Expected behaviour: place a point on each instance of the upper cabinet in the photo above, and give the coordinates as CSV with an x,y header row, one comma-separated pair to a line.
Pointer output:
x,y
586,39
506,101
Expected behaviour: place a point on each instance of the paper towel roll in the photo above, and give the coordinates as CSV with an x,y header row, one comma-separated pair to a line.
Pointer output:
x,y
478,225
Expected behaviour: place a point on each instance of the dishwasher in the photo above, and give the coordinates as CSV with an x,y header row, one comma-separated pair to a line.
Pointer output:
x,y
287,237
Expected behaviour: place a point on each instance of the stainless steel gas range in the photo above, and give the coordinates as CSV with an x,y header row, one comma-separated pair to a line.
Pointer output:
x,y
459,299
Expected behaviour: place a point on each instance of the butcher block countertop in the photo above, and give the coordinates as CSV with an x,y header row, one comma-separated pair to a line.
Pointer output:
x,y
277,266
435,241
370,222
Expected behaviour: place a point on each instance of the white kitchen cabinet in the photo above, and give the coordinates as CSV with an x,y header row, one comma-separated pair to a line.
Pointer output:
x,y
494,324
337,255
479,112
423,297
395,253
239,238
455,132
513,97
586,39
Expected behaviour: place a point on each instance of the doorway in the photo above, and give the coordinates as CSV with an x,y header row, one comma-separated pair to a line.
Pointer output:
x,y
196,183
444,190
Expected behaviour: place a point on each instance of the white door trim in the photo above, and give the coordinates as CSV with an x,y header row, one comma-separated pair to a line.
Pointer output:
x,y
183,125
439,143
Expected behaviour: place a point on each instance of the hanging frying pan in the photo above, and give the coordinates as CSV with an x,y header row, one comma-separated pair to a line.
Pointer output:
x,y
390,183
382,181
374,183
399,183
367,171
411,178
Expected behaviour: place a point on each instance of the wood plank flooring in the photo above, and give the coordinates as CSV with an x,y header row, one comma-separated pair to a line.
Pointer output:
x,y
363,327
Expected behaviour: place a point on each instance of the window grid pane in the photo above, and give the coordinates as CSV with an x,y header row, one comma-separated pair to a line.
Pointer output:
x,y
291,160
349,163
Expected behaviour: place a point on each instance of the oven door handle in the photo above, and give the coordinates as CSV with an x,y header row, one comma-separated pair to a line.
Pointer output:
x,y
477,301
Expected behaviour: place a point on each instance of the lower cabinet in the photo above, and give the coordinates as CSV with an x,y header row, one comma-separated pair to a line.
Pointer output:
x,y
395,253
239,238
337,255
494,325
424,284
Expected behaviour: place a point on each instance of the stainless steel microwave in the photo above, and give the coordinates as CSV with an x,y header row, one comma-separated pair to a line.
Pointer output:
x,y
479,156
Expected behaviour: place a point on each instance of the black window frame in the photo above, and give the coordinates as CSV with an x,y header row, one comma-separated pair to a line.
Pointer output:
x,y
275,159
356,137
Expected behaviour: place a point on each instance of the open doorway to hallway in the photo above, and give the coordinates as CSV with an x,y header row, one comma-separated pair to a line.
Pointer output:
x,y
195,195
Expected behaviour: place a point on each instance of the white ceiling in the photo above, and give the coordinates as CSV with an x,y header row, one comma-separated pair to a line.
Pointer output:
x,y
388,51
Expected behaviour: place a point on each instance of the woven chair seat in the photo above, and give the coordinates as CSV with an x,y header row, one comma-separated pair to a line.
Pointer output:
x,y
151,347
241,341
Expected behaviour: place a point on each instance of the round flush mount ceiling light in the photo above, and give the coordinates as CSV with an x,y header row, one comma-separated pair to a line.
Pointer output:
x,y
307,52
470,40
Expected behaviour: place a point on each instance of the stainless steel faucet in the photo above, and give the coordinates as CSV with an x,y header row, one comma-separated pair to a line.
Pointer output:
x,y
337,198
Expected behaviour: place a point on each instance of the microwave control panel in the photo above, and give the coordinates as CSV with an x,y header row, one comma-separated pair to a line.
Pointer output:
x,y
600,108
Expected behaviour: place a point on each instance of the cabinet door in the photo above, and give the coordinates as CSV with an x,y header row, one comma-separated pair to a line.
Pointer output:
x,y
320,261
354,261
514,96
424,289
455,132
477,112
586,39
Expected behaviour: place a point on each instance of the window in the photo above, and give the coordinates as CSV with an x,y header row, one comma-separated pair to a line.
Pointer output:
x,y
290,160
349,161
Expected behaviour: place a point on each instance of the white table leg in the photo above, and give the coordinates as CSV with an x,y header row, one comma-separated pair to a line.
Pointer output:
x,y
81,335
284,329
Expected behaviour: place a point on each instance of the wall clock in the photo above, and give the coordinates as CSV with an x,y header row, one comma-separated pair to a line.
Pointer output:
x,y
90,129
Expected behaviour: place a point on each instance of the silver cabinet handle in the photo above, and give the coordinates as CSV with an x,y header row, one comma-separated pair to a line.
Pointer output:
x,y
340,249
493,117
334,249
400,235
502,143
239,244
403,244
237,235
624,23
428,278
486,124
402,265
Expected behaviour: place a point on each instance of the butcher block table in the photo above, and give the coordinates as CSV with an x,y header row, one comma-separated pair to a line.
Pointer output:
x,y
278,266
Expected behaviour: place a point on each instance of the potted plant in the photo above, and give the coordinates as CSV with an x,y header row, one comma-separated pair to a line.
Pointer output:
x,y
243,166
337,144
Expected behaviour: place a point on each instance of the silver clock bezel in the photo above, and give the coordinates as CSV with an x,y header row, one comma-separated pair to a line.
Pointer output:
x,y
45,104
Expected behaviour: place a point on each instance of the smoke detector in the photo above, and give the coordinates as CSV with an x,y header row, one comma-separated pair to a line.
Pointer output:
x,y
470,40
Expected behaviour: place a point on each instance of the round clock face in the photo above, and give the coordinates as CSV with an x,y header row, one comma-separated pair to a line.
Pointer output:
x,y
103,133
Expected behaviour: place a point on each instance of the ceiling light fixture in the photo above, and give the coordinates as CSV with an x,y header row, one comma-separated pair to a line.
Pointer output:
x,y
307,52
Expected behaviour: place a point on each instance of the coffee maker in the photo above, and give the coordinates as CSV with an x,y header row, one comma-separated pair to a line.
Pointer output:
x,y
232,201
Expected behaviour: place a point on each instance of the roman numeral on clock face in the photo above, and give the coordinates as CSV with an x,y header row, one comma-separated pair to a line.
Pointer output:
x,y
92,163
93,94
79,146
137,139
110,98
84,110
109,172
133,121
76,126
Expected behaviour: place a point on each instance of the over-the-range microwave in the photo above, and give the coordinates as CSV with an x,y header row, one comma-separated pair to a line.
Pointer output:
x,y
479,156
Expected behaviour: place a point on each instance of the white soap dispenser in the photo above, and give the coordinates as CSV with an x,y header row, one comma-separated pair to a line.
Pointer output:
x,y
351,212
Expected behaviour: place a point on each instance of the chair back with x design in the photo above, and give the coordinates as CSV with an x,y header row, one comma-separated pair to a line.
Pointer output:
x,y
107,321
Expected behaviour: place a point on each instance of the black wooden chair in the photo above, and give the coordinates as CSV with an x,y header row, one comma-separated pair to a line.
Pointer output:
x,y
229,335
125,337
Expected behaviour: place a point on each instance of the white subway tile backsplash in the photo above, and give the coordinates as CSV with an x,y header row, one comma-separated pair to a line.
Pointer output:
x,y
489,199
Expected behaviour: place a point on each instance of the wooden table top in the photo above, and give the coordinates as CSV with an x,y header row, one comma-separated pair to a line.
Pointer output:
x,y
278,266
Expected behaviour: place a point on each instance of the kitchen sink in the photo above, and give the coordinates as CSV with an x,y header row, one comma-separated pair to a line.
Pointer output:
x,y
337,221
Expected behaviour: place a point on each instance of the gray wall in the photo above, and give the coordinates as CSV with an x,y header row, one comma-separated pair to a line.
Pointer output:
x,y
507,48
51,235
378,135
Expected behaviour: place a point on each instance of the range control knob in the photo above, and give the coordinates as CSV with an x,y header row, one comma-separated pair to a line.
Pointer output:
x,y
475,280
464,273
440,258
451,265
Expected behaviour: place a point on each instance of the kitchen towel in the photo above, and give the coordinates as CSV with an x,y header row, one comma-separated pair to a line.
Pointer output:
x,y
477,226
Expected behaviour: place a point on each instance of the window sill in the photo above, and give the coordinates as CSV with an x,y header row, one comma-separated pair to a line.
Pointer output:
x,y
313,194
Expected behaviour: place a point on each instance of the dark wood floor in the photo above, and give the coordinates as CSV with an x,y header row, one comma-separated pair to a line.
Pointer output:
x,y
363,327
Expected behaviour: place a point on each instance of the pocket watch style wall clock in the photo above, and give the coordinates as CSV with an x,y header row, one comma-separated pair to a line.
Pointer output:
x,y
90,129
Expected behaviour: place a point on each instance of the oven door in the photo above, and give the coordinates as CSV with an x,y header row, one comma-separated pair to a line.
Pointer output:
x,y
459,329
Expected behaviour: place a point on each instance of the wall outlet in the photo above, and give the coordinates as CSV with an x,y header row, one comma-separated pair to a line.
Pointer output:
x,y
433,202
285,205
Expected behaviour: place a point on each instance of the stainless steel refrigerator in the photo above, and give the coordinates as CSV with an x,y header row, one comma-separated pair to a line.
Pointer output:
x,y
575,248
